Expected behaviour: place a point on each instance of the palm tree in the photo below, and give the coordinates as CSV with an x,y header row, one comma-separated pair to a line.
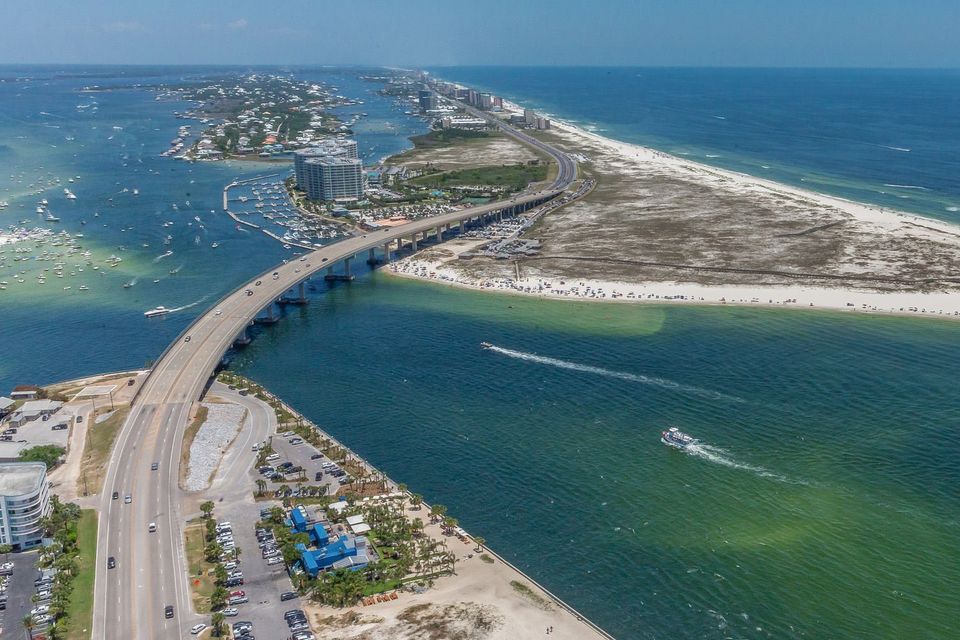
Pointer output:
x,y
261,486
28,624
207,508
480,541
416,500
437,512
216,621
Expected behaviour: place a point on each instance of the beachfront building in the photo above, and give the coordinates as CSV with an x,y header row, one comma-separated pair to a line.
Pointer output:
x,y
34,409
343,553
336,148
24,500
6,405
330,178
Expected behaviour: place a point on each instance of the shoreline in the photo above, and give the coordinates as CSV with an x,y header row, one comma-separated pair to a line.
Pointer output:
x,y
450,582
883,214
696,295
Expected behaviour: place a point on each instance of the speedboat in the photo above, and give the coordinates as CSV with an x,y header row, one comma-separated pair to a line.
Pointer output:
x,y
485,345
673,437
159,311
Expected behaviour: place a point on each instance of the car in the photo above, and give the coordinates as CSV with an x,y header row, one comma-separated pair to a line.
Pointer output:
x,y
243,625
237,600
234,583
274,560
302,259
293,613
187,339
230,612
197,628
152,527
273,456
318,476
249,292
111,562
316,456
230,565
324,260
288,595
44,594
257,283
303,635
127,499
217,312
131,382
39,610
238,593
154,466
168,611
223,525
116,494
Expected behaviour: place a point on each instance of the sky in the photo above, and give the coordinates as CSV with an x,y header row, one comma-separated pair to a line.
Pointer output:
x,y
756,33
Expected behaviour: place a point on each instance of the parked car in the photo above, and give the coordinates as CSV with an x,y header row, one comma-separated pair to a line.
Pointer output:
x,y
288,595
197,628
230,612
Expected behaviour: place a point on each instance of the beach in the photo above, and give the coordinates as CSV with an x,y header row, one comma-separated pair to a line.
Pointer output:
x,y
890,281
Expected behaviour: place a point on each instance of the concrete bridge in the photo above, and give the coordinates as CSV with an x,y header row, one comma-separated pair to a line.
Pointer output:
x,y
151,569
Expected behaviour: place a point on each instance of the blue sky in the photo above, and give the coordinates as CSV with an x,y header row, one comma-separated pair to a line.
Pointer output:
x,y
887,33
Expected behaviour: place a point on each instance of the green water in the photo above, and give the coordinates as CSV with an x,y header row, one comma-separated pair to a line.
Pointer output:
x,y
822,502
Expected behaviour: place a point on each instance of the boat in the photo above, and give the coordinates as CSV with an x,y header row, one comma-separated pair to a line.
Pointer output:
x,y
485,345
673,437
51,218
158,311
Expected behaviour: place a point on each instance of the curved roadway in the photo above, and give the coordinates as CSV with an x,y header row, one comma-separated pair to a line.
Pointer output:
x,y
151,569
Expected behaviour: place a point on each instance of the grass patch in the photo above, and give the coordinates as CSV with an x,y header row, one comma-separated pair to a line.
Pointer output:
x,y
80,606
487,558
511,177
96,450
201,582
444,136
188,437
538,601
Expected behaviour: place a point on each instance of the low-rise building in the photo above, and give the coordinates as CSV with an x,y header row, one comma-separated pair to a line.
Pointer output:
x,y
33,410
6,405
24,500
24,392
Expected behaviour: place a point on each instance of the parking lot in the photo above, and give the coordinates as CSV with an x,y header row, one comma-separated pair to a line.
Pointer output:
x,y
20,588
306,456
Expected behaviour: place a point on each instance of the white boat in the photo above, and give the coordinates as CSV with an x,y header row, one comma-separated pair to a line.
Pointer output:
x,y
673,437
158,311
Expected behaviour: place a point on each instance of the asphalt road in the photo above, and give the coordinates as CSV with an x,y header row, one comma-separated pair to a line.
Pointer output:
x,y
151,569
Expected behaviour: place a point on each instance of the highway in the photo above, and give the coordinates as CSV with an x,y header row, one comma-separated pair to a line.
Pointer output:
x,y
151,569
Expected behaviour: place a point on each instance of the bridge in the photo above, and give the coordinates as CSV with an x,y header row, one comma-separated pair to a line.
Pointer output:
x,y
151,570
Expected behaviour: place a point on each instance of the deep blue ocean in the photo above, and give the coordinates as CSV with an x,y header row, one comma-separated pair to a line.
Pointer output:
x,y
889,137
823,501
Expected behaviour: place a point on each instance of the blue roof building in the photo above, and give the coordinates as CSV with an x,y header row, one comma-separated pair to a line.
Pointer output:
x,y
299,520
326,557
318,535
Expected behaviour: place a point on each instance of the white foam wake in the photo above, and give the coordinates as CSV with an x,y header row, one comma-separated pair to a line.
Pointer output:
x,y
632,377
187,306
722,457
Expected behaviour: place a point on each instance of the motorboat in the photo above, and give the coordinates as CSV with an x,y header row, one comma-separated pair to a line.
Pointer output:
x,y
673,437
486,345
158,311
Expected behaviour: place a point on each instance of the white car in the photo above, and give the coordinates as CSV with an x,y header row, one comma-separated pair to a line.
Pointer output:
x,y
230,565
197,628
39,610
152,527
273,456
216,313
231,612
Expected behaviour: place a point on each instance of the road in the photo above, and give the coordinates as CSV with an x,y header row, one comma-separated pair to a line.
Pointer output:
x,y
151,570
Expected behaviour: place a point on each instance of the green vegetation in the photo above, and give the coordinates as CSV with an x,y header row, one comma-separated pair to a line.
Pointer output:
x,y
513,177
72,555
487,558
48,454
539,601
442,136
201,580
96,451
80,610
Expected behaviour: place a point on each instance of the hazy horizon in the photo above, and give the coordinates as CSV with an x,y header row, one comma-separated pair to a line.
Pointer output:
x,y
688,33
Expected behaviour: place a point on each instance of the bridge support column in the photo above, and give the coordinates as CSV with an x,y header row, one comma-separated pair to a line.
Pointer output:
x,y
413,242
439,232
302,290
386,253
346,266
463,226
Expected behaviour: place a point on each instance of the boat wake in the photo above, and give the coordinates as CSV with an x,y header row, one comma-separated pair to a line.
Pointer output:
x,y
632,377
187,306
722,457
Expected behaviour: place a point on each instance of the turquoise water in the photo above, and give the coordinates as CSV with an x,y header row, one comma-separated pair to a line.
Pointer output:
x,y
821,504
889,137
828,471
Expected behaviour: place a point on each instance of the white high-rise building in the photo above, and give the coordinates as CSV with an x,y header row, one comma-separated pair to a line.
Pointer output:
x,y
333,178
24,500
